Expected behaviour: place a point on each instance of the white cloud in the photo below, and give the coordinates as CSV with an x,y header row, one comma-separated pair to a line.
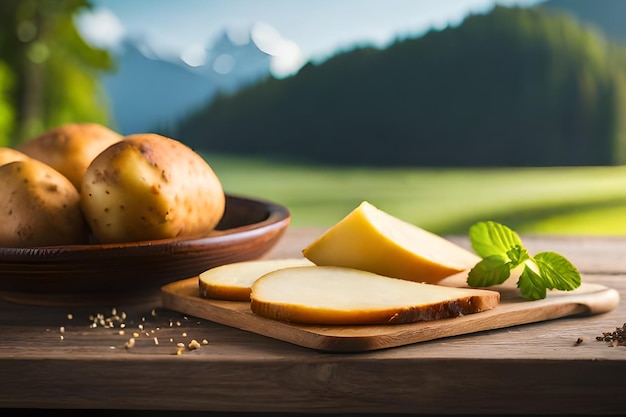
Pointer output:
x,y
101,28
194,55
287,58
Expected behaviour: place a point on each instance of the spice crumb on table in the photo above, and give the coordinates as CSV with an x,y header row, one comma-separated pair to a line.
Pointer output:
x,y
137,332
494,372
614,338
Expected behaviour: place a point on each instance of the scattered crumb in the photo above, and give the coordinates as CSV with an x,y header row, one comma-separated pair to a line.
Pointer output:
x,y
614,338
144,328
130,343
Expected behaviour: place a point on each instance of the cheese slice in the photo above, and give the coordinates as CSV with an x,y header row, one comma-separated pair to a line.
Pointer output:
x,y
373,240
233,281
327,295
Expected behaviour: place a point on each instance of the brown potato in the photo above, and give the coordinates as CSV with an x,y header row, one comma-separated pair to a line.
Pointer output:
x,y
150,187
70,148
38,207
9,155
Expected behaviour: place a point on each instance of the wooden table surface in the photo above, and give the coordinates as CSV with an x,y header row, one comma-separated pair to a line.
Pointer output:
x,y
75,358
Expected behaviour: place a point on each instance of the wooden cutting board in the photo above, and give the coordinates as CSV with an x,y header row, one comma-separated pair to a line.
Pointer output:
x,y
183,296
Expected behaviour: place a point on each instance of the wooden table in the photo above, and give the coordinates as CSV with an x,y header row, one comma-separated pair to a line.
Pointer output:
x,y
60,358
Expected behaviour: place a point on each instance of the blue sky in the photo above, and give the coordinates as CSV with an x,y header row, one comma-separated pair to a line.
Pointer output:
x,y
297,30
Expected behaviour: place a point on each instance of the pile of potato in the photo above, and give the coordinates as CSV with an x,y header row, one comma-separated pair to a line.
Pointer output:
x,y
83,183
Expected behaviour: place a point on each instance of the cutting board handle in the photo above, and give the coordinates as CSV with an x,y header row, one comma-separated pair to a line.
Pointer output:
x,y
600,300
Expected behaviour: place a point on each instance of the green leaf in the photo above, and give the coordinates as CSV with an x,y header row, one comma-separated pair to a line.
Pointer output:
x,y
492,270
531,284
517,255
491,238
502,250
557,272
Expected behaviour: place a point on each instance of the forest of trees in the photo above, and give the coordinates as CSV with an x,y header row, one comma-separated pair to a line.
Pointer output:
x,y
48,74
515,87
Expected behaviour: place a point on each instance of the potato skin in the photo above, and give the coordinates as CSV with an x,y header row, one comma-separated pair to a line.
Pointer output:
x,y
149,187
39,207
9,155
70,148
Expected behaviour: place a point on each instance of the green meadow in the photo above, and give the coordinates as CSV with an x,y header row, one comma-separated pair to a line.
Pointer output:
x,y
553,200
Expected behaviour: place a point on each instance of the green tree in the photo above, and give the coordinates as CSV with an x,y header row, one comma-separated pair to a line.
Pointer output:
x,y
513,87
6,110
55,73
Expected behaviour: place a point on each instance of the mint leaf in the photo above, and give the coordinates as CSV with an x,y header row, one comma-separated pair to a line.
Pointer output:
x,y
517,255
491,238
501,250
492,270
531,284
557,271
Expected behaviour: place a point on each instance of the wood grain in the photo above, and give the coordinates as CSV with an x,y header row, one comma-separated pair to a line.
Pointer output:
x,y
547,367
513,310
87,274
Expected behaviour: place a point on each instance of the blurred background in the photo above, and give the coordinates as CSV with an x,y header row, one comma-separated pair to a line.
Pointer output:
x,y
441,112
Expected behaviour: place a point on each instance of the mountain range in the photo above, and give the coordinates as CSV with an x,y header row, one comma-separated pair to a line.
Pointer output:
x,y
148,93
512,87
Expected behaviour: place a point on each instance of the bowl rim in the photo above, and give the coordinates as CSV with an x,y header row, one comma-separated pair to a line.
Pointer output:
x,y
278,216
104,273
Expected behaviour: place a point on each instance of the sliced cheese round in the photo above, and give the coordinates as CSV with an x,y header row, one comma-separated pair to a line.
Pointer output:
x,y
373,240
233,281
329,295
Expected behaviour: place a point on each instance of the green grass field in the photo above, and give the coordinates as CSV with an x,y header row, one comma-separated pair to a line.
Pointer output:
x,y
568,200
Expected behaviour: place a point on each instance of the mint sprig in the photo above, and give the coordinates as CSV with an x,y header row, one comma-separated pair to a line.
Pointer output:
x,y
502,251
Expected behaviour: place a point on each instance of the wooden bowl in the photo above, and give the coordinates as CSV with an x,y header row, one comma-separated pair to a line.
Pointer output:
x,y
84,274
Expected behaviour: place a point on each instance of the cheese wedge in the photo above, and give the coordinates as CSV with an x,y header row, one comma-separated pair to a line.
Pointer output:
x,y
373,240
233,281
327,295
